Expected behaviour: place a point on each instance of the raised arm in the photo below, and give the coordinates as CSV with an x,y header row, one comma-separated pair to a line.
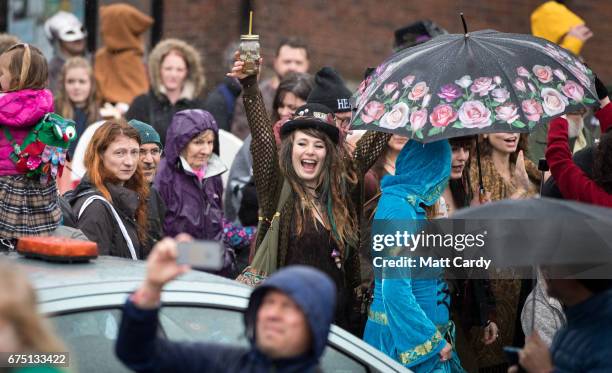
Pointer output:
x,y
368,149
266,169
573,183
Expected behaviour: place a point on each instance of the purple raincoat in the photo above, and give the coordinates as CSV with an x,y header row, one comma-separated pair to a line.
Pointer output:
x,y
193,207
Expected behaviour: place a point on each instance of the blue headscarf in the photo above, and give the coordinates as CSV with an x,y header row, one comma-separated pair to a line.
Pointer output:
x,y
421,175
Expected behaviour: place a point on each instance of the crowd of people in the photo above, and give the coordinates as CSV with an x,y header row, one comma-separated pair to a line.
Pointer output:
x,y
304,190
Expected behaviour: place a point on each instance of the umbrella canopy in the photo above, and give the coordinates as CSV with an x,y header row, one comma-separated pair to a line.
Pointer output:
x,y
542,231
464,84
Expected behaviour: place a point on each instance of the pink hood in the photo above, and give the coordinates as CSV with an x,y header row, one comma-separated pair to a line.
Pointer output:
x,y
19,111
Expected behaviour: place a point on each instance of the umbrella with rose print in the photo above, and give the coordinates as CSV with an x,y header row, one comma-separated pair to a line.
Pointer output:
x,y
464,84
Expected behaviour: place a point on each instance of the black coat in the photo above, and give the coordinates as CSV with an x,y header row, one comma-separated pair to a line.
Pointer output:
x,y
156,210
99,224
158,111
222,101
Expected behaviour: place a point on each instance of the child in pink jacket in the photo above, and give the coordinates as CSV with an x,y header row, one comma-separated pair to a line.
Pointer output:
x,y
27,207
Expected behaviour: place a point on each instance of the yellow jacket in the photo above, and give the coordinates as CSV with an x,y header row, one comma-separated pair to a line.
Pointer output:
x,y
552,21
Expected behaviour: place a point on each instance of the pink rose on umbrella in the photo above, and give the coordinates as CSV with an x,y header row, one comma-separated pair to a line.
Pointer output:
x,y
497,80
573,90
482,86
418,119
408,80
372,111
389,88
520,85
507,112
442,115
521,71
397,117
559,74
450,92
418,91
543,73
464,82
553,102
532,109
500,95
473,114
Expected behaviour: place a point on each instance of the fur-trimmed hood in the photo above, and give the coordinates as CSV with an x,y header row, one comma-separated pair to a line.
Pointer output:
x,y
195,78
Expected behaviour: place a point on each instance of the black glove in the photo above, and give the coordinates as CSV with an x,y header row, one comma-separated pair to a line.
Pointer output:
x,y
602,91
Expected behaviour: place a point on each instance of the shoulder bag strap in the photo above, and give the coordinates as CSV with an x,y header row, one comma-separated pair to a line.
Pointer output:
x,y
11,140
284,195
124,232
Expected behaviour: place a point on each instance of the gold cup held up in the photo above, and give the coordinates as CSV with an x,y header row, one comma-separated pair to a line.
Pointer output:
x,y
250,50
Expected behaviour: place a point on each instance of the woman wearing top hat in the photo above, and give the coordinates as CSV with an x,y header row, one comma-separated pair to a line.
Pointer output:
x,y
319,221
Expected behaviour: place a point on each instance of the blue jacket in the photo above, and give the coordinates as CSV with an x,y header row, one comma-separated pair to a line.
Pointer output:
x,y
406,313
140,349
583,344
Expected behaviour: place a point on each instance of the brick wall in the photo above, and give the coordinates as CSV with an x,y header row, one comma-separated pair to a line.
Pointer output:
x,y
353,34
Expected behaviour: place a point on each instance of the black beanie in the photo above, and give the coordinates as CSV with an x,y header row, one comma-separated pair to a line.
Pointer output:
x,y
329,90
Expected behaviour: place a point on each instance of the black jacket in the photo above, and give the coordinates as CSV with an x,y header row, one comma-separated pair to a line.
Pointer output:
x,y
99,224
158,111
156,210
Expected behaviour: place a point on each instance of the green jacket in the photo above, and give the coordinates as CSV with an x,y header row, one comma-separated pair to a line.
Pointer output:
x,y
537,141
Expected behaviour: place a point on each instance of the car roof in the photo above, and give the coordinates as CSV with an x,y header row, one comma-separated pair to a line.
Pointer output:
x,y
45,274
54,281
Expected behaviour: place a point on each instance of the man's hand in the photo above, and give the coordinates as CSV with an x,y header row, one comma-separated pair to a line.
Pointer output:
x,y
161,269
446,353
490,333
535,357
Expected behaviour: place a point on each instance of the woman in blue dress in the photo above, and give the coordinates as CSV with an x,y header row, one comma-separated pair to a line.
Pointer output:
x,y
409,317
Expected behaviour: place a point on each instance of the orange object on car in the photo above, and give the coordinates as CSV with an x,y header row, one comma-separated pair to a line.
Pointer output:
x,y
57,248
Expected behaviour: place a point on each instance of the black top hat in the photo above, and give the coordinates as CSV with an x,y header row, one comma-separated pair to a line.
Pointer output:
x,y
416,33
316,116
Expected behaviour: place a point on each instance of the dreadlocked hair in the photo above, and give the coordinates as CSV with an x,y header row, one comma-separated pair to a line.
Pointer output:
x,y
334,185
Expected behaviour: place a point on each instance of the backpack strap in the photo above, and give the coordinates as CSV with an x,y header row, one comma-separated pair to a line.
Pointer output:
x,y
11,140
127,238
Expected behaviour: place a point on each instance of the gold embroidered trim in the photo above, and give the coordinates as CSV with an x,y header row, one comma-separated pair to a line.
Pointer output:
x,y
421,350
378,317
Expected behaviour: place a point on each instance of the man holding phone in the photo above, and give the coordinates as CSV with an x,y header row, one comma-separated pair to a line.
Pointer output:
x,y
287,322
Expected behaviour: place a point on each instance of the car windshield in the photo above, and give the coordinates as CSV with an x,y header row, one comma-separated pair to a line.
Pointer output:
x,y
90,336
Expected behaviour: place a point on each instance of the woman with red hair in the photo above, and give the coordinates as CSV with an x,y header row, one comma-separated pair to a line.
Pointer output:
x,y
110,202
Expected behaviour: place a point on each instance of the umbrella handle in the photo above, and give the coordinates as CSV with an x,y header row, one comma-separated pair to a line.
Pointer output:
x,y
481,188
